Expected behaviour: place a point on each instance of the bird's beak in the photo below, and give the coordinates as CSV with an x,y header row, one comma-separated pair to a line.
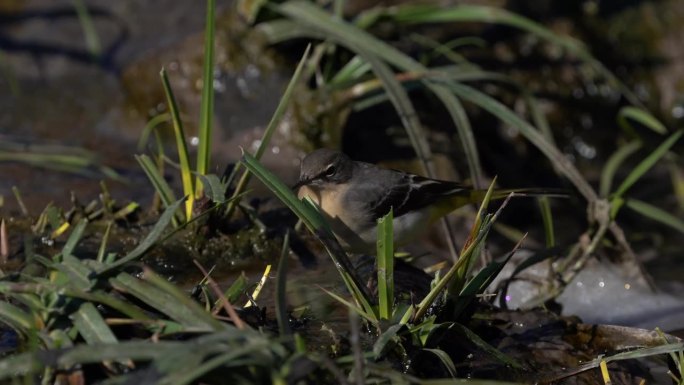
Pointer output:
x,y
300,183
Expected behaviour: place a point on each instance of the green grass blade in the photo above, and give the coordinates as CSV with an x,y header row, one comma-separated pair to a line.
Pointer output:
x,y
16,318
275,120
149,127
236,289
133,350
481,221
415,14
186,172
314,221
91,326
486,347
74,237
19,364
479,283
547,219
445,359
370,317
384,340
193,317
385,261
655,213
213,188
311,218
102,251
353,70
641,116
647,163
181,298
281,289
505,114
613,164
402,104
158,182
113,302
150,240
207,104
472,245
89,32
79,275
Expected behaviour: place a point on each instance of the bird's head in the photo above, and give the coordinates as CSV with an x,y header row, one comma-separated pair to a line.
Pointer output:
x,y
324,167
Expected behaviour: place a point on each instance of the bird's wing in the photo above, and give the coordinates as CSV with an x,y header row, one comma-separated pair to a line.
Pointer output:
x,y
407,192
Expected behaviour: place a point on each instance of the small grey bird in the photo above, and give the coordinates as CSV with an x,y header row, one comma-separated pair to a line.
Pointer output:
x,y
353,195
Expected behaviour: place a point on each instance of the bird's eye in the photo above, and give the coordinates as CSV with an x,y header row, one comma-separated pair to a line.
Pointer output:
x,y
330,171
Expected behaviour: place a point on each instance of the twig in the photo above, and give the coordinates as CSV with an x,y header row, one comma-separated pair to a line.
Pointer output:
x,y
239,323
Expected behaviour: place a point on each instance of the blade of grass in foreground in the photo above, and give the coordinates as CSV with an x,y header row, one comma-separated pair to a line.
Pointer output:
x,y
186,173
275,120
385,263
207,104
159,183
149,241
317,225
466,255
157,295
91,326
281,289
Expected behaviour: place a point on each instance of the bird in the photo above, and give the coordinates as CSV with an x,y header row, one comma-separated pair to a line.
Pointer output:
x,y
353,195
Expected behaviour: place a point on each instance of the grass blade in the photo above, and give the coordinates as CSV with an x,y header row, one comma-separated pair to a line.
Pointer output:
x,y
91,326
149,241
16,318
89,32
281,289
102,251
655,213
647,163
370,317
74,237
213,188
640,116
547,219
445,359
207,104
275,120
385,261
186,172
416,14
613,163
158,182
505,114
192,317
314,221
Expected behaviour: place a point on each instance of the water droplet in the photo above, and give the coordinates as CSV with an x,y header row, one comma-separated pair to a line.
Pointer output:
x,y
678,112
602,284
194,141
256,144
